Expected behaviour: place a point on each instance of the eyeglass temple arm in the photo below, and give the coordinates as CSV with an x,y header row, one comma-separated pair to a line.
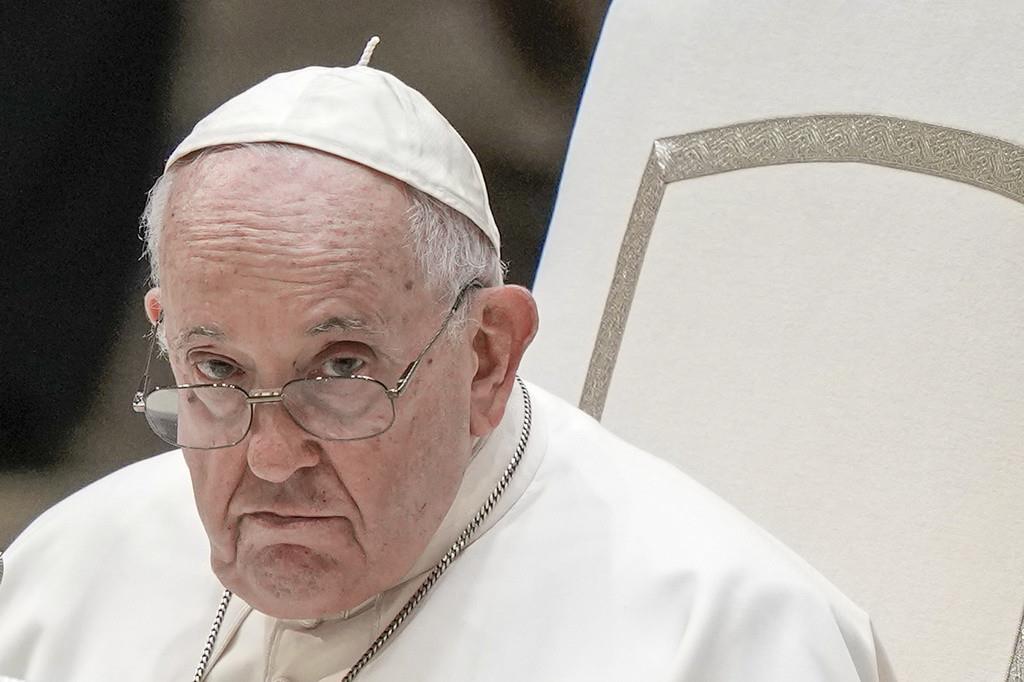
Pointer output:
x,y
138,401
403,380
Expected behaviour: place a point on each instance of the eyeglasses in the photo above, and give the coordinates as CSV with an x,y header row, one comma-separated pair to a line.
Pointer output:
x,y
210,416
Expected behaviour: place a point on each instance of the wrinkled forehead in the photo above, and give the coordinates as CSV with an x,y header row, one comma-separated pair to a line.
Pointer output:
x,y
267,174
275,195
286,234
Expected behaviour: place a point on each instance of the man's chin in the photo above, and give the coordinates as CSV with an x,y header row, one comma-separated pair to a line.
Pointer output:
x,y
293,581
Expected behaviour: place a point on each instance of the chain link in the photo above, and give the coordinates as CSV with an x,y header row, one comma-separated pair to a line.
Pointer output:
x,y
211,639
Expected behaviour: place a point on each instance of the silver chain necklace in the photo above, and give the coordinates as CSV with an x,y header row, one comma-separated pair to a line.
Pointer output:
x,y
428,583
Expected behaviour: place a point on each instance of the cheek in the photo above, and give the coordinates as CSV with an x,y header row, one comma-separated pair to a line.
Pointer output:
x,y
432,449
409,471
215,476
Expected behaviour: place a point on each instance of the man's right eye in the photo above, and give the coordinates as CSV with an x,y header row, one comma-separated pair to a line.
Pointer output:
x,y
215,370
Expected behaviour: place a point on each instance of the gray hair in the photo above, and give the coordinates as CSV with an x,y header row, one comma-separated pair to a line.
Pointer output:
x,y
452,251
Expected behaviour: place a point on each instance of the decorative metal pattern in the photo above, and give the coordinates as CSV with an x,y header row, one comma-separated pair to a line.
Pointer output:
x,y
1016,671
435,573
986,162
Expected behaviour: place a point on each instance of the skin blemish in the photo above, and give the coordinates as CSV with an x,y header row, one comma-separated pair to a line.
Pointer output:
x,y
408,285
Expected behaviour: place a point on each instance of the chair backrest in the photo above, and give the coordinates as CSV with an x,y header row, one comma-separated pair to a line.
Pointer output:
x,y
788,255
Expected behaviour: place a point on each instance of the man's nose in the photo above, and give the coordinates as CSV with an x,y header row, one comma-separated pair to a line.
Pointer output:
x,y
277,446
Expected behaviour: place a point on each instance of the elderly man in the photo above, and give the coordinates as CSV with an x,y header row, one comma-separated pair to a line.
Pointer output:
x,y
381,496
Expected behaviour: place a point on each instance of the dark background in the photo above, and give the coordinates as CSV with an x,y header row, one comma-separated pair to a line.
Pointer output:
x,y
96,95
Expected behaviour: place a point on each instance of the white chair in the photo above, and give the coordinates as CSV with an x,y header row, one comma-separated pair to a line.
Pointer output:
x,y
788,255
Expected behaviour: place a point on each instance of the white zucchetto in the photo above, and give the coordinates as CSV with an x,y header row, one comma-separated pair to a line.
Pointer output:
x,y
360,114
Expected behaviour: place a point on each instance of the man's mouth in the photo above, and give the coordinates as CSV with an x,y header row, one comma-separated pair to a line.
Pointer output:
x,y
279,521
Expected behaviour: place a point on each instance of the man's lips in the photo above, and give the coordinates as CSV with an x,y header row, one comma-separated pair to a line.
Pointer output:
x,y
334,534
286,521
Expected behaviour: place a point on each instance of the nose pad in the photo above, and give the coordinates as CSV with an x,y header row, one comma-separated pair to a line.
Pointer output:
x,y
277,446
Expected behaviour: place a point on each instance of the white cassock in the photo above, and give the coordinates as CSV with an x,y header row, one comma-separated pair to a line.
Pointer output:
x,y
600,562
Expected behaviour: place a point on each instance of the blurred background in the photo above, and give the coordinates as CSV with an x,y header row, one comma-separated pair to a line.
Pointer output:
x,y
95,96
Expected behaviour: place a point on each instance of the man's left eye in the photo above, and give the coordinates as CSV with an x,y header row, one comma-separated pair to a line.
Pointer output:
x,y
342,366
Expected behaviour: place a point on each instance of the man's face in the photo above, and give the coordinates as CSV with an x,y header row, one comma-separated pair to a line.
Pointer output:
x,y
284,266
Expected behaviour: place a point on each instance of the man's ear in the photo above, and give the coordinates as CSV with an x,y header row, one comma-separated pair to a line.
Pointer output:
x,y
153,307
508,322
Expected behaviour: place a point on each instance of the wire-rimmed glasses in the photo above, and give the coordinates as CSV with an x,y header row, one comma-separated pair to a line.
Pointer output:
x,y
219,415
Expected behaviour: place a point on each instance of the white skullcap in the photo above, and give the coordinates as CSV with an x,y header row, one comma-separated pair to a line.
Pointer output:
x,y
360,114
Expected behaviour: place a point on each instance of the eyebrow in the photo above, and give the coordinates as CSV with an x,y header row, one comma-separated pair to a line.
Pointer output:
x,y
337,323
199,330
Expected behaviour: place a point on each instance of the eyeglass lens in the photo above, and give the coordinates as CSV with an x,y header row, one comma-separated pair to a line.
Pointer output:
x,y
205,417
